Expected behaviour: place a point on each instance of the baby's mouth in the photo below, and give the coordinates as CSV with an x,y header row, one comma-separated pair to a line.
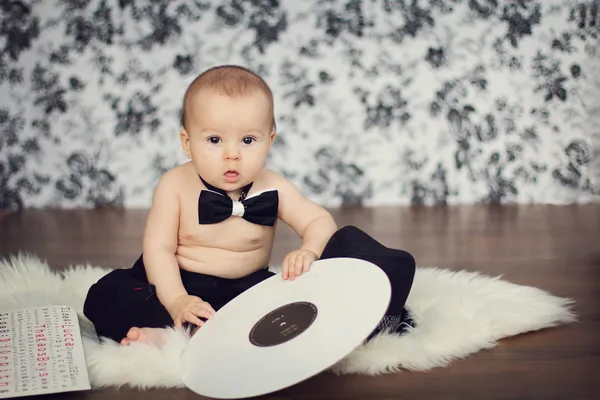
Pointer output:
x,y
231,173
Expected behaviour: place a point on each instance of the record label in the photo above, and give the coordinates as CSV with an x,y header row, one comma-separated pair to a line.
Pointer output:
x,y
283,324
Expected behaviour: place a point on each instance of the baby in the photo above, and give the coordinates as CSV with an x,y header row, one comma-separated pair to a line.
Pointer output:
x,y
212,222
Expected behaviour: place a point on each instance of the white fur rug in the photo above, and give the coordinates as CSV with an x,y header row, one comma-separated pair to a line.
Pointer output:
x,y
457,314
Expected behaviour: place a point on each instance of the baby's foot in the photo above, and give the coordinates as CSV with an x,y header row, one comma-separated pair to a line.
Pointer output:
x,y
154,336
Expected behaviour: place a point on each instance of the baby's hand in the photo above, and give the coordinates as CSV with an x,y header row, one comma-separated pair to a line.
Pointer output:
x,y
296,262
188,308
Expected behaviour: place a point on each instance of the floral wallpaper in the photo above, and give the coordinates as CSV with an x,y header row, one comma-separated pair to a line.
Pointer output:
x,y
378,102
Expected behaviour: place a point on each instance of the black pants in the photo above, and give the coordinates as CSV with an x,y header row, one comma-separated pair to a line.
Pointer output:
x,y
123,298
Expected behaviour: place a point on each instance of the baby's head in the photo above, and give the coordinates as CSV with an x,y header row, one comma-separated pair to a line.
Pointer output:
x,y
228,125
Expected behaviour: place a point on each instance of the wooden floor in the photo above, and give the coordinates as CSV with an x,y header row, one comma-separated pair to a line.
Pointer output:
x,y
554,248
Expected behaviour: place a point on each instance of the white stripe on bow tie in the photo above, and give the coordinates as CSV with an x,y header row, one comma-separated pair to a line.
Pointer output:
x,y
237,209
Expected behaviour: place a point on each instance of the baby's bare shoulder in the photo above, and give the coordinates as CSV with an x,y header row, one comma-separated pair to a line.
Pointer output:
x,y
174,180
274,180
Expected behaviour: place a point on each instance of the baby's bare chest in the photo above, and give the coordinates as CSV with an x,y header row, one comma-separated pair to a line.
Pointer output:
x,y
234,233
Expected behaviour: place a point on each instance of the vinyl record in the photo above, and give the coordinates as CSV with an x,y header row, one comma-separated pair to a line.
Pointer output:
x,y
281,332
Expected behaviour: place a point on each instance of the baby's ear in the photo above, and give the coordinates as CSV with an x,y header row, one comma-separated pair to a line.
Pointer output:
x,y
185,142
272,136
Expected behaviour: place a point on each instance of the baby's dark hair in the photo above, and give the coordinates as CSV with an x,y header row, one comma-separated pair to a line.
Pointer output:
x,y
230,80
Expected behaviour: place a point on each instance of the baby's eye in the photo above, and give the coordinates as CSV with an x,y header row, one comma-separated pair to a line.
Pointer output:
x,y
214,140
248,140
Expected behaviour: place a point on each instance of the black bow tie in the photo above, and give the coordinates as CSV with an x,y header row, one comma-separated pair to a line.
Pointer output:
x,y
215,206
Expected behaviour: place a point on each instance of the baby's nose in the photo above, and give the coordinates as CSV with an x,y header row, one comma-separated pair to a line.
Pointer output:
x,y
232,153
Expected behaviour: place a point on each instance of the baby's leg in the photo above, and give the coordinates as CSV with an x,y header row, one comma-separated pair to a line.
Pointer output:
x,y
398,265
119,305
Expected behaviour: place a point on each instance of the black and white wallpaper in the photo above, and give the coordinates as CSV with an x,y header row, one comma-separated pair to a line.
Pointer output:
x,y
378,102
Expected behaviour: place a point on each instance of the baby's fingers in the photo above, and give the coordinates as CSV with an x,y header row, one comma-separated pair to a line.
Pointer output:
x,y
178,322
203,311
297,268
285,268
209,308
306,266
193,319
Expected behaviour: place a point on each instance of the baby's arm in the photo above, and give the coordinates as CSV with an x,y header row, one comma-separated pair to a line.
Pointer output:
x,y
309,220
159,249
160,241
